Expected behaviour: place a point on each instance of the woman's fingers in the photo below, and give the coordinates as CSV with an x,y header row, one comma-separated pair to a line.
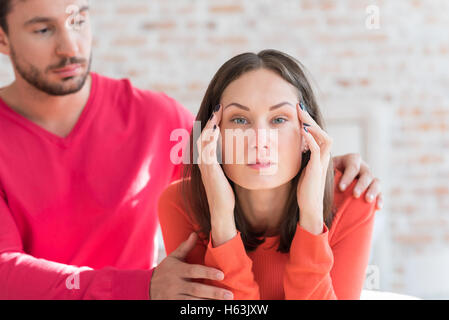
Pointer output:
x,y
322,138
324,141
315,152
207,142
304,116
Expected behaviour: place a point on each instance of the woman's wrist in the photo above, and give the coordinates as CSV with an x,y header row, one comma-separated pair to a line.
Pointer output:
x,y
223,229
312,223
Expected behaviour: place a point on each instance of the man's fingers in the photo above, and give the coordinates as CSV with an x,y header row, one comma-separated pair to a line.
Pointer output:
x,y
187,297
197,271
362,184
373,190
350,172
380,202
202,291
184,248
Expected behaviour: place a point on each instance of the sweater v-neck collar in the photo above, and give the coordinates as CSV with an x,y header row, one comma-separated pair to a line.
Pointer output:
x,y
64,142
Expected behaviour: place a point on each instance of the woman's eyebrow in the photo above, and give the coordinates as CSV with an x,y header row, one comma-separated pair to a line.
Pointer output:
x,y
277,106
281,105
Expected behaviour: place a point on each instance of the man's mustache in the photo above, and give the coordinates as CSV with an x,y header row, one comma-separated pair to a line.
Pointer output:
x,y
67,62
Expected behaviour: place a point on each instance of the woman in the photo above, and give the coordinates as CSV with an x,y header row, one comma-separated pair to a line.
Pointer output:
x,y
271,216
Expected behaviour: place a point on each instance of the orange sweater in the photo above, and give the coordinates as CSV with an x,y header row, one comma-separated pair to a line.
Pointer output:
x,y
330,265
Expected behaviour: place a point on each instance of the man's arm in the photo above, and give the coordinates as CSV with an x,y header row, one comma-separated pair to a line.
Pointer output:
x,y
23,276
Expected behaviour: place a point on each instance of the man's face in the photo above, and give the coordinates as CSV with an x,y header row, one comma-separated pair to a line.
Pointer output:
x,y
50,44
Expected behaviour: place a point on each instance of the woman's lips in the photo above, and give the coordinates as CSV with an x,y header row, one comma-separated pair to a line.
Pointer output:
x,y
260,165
68,71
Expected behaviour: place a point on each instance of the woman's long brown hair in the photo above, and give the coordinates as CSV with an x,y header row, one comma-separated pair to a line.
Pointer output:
x,y
192,188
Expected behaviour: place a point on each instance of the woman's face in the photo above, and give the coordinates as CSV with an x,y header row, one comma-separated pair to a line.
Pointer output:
x,y
261,141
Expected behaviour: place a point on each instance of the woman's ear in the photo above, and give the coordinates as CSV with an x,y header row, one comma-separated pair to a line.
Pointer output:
x,y
305,147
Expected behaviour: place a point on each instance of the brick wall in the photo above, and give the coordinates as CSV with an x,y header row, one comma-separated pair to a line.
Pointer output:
x,y
176,47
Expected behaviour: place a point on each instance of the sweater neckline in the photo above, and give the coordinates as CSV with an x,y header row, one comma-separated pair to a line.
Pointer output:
x,y
38,130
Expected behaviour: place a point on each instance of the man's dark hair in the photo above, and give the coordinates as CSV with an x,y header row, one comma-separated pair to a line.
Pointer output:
x,y
5,9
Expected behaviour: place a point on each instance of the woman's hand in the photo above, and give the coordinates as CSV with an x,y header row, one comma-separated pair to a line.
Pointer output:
x,y
311,185
220,195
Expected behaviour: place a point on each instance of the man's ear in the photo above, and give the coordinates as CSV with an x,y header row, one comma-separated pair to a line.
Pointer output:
x,y
4,43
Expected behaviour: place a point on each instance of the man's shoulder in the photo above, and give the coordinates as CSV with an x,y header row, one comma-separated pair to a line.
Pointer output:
x,y
123,87
146,101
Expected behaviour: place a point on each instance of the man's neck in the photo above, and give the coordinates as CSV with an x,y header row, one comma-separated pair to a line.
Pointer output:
x,y
57,114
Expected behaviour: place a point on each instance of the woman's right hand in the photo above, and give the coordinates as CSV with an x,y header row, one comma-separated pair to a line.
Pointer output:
x,y
220,195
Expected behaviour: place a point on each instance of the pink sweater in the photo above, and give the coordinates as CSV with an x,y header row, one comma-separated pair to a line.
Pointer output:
x,y
78,214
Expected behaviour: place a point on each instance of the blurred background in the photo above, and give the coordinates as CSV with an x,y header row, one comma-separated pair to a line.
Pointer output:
x,y
381,74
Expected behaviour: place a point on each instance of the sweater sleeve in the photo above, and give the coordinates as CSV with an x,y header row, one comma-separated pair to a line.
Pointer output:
x,y
307,273
176,224
230,258
351,244
323,270
184,120
23,276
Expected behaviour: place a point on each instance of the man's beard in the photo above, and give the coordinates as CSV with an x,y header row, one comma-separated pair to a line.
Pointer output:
x,y
37,79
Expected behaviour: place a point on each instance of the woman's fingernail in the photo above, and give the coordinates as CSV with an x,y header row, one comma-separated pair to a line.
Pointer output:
x,y
370,198
215,127
343,186
217,108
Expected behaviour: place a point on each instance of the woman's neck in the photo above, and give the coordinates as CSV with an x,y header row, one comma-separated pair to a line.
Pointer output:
x,y
264,209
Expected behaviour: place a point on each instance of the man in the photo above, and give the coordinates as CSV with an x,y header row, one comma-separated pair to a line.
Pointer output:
x,y
83,159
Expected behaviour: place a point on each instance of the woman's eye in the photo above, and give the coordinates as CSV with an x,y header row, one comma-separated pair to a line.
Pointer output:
x,y
279,120
239,121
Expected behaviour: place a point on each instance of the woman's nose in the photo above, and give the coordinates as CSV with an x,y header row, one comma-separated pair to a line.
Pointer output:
x,y
262,138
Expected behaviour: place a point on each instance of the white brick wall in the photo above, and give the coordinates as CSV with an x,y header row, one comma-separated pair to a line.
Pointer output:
x,y
176,46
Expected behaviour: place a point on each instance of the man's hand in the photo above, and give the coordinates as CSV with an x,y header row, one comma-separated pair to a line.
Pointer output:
x,y
352,167
171,278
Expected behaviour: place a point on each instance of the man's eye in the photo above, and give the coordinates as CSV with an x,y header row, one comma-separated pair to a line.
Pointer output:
x,y
239,121
42,31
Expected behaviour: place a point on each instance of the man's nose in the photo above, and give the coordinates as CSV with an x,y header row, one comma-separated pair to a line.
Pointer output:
x,y
67,45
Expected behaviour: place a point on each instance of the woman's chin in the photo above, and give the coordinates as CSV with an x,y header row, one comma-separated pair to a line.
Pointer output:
x,y
256,181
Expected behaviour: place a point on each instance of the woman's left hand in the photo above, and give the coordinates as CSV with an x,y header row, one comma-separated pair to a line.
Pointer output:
x,y
311,185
